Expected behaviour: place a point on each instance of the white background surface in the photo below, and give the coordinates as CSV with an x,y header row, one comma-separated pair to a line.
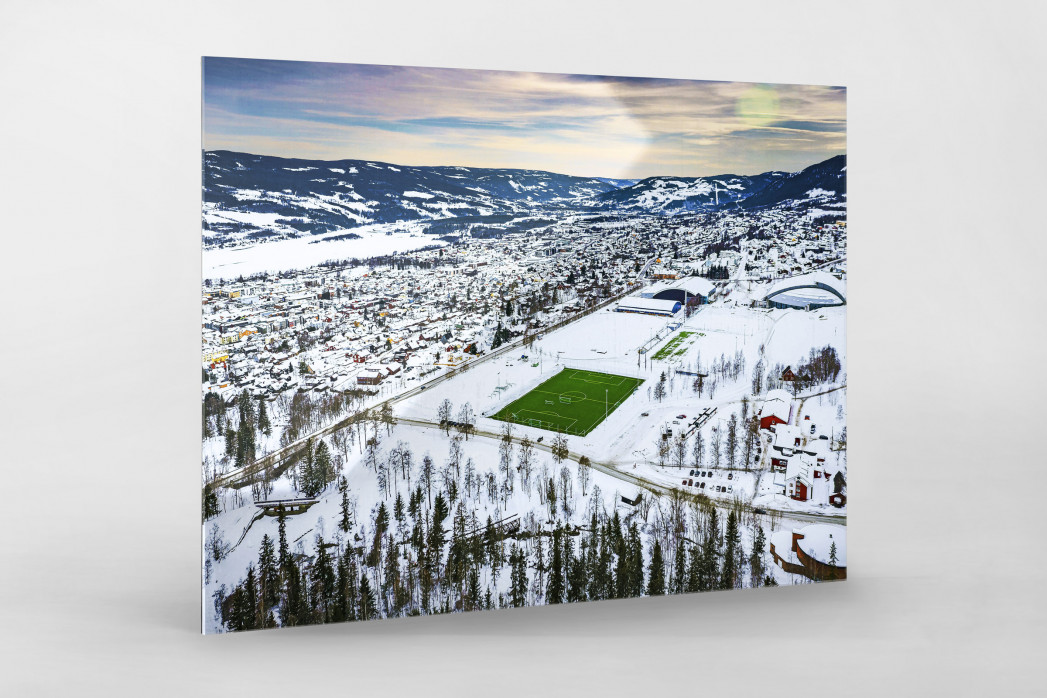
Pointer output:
x,y
99,179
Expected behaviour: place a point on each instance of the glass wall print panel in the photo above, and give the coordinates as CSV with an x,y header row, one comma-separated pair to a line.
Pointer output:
x,y
476,340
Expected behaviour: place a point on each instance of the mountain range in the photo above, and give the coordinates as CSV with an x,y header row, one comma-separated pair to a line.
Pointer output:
x,y
252,197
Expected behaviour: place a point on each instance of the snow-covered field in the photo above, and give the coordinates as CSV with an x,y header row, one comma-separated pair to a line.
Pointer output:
x,y
608,341
297,253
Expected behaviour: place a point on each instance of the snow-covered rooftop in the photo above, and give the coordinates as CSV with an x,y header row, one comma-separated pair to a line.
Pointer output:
x,y
818,539
649,305
820,286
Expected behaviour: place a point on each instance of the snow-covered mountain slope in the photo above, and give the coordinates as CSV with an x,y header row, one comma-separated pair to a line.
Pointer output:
x,y
675,194
255,196
823,184
249,198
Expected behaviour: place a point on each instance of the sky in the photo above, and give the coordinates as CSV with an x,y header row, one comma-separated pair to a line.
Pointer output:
x,y
593,126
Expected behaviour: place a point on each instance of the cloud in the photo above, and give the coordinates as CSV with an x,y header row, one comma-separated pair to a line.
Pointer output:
x,y
590,125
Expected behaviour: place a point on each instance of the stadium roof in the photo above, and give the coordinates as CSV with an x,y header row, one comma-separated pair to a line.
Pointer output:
x,y
648,305
693,285
819,288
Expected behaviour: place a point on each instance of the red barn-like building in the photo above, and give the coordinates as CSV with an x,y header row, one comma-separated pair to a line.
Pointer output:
x,y
777,409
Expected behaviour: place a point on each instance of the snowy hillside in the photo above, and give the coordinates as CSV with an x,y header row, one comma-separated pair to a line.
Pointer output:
x,y
672,194
823,184
249,198
254,198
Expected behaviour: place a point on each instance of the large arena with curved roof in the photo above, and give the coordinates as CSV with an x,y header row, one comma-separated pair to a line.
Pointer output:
x,y
808,291
689,290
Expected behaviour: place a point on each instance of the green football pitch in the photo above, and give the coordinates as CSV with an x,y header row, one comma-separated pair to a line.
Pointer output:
x,y
572,401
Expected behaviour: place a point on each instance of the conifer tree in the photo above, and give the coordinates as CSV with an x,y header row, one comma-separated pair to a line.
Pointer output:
x,y
732,540
473,598
731,445
324,471
251,615
393,586
368,607
322,583
282,529
756,557
440,511
518,578
555,592
246,409
268,574
242,605
577,578
679,569
710,550
603,577
347,590
636,586
621,571
656,573
295,604
539,563
345,522
244,445
694,570
230,441
211,507
457,554
381,525
263,418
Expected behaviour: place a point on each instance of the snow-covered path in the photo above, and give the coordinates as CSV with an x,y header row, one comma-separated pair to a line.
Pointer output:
x,y
658,488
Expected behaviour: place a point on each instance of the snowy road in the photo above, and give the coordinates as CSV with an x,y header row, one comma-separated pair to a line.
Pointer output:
x,y
637,480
